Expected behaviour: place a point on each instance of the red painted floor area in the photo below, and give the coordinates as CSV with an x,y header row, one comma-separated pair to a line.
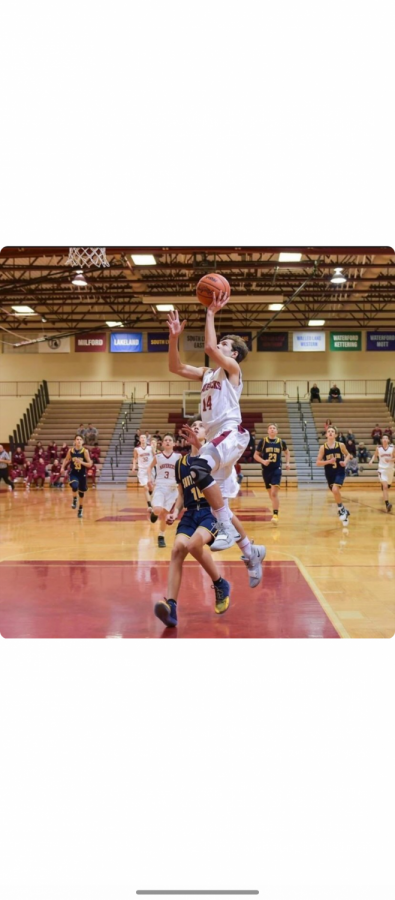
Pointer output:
x,y
116,599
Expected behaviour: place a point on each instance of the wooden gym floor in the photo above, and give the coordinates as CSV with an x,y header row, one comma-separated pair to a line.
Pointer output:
x,y
101,576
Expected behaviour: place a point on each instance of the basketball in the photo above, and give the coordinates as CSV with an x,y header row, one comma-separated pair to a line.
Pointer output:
x,y
209,285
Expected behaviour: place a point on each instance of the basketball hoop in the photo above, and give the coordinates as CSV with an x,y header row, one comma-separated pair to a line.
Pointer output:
x,y
87,256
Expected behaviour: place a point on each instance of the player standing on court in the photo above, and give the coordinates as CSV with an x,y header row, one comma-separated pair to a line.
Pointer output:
x,y
80,461
334,456
268,454
386,457
220,410
142,457
165,492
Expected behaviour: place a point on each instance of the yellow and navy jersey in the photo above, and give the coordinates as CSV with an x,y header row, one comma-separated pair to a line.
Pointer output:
x,y
271,450
335,451
76,456
193,498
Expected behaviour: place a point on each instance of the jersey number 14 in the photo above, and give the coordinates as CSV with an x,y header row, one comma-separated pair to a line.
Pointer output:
x,y
206,404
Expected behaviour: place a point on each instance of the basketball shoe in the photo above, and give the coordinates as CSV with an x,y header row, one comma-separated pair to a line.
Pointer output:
x,y
274,519
166,611
222,596
161,541
80,513
225,538
74,503
254,564
153,518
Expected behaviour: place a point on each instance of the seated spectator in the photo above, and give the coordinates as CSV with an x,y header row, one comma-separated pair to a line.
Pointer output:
x,y
81,430
41,472
388,432
63,452
352,466
55,479
157,436
315,394
341,437
363,455
334,394
350,445
95,453
18,457
91,434
52,451
377,434
350,436
91,473
37,449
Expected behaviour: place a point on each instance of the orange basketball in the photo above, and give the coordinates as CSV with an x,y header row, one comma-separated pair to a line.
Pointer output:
x,y
209,285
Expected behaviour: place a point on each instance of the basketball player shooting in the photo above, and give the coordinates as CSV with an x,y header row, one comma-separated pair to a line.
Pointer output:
x,y
220,409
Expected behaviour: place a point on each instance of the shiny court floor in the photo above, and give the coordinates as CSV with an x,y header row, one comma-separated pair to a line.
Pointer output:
x,y
100,577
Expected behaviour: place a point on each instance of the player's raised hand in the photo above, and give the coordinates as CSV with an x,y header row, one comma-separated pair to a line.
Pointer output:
x,y
218,303
175,326
189,435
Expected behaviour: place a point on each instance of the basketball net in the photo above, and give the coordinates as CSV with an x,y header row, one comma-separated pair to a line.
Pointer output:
x,y
87,257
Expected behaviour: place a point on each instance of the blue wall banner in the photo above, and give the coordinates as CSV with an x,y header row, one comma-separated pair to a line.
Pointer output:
x,y
273,341
309,340
158,341
126,342
376,340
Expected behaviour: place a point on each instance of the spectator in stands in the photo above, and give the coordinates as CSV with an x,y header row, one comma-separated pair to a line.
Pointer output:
x,y
37,449
350,445
334,394
5,460
137,438
52,451
377,434
81,430
95,453
91,434
55,476
157,436
41,472
363,455
350,436
388,432
18,457
352,466
315,394
341,437
91,474
63,452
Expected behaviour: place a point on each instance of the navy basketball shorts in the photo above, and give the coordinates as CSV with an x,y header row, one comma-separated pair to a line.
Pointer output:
x,y
78,481
271,477
197,518
337,478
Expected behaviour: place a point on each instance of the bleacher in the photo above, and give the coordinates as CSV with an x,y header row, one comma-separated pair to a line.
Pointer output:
x,y
360,417
166,415
62,418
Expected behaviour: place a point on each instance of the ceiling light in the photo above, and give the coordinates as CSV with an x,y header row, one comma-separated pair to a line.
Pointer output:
x,y
275,307
290,257
338,277
143,259
314,322
165,307
43,319
79,279
23,309
114,324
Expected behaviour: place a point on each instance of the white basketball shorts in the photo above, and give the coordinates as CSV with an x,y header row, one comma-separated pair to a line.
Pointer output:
x,y
164,498
227,447
142,477
386,474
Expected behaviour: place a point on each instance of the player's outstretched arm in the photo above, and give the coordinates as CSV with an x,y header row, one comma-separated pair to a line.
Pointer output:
x,y
210,338
193,373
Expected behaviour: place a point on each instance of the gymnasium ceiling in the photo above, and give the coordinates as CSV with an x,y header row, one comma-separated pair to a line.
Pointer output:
x,y
125,292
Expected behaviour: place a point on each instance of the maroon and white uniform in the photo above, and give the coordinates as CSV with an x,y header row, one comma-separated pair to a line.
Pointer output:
x,y
386,464
166,490
221,416
144,458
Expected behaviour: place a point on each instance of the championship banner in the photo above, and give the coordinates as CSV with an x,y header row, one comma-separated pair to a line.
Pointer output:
x,y
273,341
193,341
346,340
308,340
91,343
377,341
126,342
55,345
158,342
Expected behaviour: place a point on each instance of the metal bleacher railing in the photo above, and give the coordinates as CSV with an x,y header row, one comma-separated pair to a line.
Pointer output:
x,y
30,419
305,437
389,396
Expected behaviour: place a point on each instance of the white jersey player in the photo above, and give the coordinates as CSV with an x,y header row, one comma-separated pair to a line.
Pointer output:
x,y
220,411
386,457
166,490
142,457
